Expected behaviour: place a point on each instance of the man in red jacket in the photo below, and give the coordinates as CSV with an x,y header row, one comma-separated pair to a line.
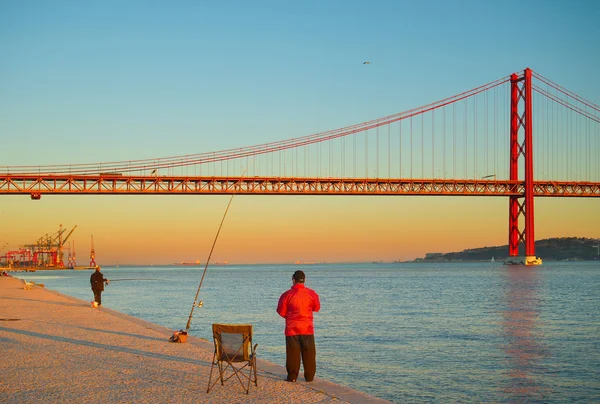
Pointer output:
x,y
297,306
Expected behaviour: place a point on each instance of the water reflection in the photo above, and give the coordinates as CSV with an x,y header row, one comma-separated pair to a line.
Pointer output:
x,y
522,335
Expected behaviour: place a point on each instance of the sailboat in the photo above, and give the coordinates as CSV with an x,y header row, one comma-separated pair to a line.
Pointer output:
x,y
493,260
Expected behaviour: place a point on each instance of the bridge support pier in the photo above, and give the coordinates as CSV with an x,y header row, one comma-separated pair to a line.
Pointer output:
x,y
521,91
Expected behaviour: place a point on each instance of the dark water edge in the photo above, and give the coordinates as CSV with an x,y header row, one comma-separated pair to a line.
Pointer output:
x,y
457,332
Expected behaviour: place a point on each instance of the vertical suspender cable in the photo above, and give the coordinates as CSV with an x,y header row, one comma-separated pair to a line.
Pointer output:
x,y
557,144
306,155
422,146
554,130
389,151
581,131
548,137
465,137
537,111
432,142
279,172
330,158
485,131
354,155
454,140
566,121
411,148
569,142
475,137
343,155
377,152
444,146
579,139
319,160
561,143
589,146
582,145
495,129
576,138
367,154
400,149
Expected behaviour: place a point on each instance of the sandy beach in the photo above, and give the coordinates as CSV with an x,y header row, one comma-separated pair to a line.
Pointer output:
x,y
57,348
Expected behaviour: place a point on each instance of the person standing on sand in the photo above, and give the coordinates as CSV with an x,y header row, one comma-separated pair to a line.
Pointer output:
x,y
97,280
297,306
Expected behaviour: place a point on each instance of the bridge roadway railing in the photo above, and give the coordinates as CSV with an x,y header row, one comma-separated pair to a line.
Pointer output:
x,y
37,185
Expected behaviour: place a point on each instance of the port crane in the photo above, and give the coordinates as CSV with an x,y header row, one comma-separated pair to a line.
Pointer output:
x,y
48,250
61,243
72,259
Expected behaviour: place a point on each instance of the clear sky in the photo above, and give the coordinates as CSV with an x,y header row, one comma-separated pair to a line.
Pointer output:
x,y
84,82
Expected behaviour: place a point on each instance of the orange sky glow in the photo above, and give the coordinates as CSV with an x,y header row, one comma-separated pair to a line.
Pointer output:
x,y
280,229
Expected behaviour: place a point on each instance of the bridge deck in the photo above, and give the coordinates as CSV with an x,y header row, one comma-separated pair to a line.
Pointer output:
x,y
149,185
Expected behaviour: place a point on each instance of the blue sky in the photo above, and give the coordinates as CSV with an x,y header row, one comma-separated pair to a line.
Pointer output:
x,y
112,80
84,82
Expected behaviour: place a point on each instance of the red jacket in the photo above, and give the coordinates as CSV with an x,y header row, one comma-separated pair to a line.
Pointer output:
x,y
297,306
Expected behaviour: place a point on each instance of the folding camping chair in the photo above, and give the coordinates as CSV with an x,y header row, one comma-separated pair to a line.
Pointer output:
x,y
234,351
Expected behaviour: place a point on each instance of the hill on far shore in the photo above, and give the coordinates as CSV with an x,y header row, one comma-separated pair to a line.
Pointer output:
x,y
551,249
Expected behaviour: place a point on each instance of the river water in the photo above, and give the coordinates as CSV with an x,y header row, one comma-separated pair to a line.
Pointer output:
x,y
418,333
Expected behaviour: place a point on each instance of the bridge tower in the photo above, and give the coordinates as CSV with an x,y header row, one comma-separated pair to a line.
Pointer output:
x,y
521,94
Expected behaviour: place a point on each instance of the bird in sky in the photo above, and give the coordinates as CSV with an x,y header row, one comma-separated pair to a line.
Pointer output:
x,y
366,63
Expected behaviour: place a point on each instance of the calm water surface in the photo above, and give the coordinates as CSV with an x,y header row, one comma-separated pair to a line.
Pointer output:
x,y
461,332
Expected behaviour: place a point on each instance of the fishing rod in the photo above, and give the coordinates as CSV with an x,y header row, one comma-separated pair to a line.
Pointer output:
x,y
200,303
138,279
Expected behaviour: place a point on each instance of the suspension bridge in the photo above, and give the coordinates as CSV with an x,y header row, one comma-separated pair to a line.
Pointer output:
x,y
481,142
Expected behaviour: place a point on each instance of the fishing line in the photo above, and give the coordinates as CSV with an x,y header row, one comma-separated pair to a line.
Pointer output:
x,y
200,303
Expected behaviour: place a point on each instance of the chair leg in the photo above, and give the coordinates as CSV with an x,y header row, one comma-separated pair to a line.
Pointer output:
x,y
255,377
237,372
211,372
249,379
221,371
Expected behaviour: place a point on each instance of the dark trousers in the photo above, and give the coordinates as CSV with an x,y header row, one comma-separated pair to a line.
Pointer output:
x,y
298,346
98,297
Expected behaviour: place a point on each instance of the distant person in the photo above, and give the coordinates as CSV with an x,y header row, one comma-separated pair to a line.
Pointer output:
x,y
297,306
97,280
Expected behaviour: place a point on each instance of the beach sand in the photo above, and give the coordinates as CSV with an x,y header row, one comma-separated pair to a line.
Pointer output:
x,y
56,348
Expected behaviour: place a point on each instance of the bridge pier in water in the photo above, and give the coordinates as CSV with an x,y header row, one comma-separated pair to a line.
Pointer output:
x,y
521,92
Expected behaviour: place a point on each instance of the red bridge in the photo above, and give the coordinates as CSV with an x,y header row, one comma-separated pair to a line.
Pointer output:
x,y
478,143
